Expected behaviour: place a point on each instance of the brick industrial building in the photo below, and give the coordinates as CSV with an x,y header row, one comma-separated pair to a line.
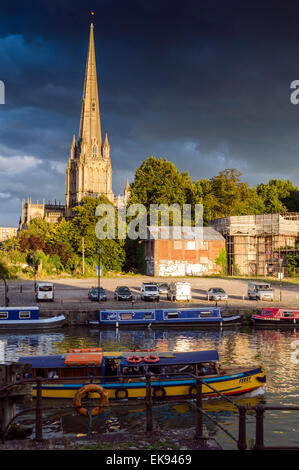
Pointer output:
x,y
175,252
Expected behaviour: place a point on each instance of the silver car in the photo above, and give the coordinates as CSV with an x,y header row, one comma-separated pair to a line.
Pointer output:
x,y
217,293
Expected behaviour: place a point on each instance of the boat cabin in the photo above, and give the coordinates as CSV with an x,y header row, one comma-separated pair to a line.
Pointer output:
x,y
280,313
114,366
19,313
152,316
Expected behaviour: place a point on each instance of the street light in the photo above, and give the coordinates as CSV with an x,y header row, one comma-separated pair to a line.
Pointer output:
x,y
99,275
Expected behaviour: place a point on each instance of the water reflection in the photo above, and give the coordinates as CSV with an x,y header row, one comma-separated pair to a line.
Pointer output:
x,y
237,346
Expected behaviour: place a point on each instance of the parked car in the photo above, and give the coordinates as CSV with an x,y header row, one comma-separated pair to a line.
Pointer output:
x,y
163,287
45,291
260,291
217,293
93,294
123,293
179,291
150,291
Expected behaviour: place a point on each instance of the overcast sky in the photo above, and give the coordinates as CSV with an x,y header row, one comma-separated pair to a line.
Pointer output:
x,y
204,84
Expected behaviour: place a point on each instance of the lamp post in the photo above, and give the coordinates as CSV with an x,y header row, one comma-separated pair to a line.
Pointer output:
x,y
34,265
99,275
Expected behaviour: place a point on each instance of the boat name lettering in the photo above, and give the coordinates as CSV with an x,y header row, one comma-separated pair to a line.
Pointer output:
x,y
112,316
244,379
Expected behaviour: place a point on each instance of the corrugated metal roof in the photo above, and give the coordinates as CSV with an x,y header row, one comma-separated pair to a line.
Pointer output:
x,y
184,233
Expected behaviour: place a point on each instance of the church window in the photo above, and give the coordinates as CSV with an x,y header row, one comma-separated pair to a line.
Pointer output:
x,y
93,106
95,151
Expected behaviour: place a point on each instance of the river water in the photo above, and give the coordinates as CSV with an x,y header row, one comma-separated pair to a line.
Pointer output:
x,y
236,346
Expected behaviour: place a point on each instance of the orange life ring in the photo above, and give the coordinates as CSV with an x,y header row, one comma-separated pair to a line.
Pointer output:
x,y
134,359
151,359
83,392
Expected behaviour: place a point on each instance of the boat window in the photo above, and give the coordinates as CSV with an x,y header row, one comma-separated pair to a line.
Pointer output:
x,y
268,312
207,368
52,374
206,314
148,316
132,370
110,367
287,313
40,373
24,315
3,315
180,369
154,370
172,314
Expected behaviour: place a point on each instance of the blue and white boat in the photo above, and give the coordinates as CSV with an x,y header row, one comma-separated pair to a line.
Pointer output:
x,y
205,317
21,318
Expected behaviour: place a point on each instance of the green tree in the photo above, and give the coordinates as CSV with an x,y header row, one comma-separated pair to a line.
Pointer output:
x,y
278,195
158,181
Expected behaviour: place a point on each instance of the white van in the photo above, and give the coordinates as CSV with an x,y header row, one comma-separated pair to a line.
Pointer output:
x,y
260,291
150,291
45,291
179,291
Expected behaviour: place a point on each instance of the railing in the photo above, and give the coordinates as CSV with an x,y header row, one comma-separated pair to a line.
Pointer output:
x,y
240,440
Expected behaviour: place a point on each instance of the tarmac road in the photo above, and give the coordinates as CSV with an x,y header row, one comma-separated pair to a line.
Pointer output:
x,y
73,293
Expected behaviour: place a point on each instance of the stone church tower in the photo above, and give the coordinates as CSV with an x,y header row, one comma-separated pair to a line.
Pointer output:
x,y
89,170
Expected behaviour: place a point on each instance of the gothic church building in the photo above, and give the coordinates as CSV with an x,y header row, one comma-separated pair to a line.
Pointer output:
x,y
89,169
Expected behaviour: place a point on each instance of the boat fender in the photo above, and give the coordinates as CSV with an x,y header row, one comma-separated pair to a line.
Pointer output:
x,y
159,392
193,391
134,359
262,379
121,394
152,359
82,394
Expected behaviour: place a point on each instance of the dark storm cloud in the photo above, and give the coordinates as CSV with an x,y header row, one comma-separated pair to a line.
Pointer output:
x,y
205,85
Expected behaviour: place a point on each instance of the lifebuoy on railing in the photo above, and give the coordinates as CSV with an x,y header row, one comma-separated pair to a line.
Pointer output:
x,y
134,359
82,394
152,359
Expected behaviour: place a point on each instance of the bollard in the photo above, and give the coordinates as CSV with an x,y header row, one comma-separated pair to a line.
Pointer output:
x,y
149,404
259,432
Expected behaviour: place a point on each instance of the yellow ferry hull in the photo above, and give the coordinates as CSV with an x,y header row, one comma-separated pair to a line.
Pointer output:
x,y
174,388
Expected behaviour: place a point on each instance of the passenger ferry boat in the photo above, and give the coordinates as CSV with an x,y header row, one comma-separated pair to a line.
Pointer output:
x,y
205,317
277,317
27,318
122,374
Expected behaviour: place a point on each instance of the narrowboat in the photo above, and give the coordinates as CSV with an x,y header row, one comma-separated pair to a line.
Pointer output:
x,y
27,318
122,374
205,317
277,317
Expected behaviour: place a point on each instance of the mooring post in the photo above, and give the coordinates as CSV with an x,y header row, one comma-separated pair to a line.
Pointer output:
x,y
149,404
242,445
199,415
259,432
38,415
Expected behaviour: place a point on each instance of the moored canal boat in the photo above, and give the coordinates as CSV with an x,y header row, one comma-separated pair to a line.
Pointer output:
x,y
274,317
122,374
200,317
27,318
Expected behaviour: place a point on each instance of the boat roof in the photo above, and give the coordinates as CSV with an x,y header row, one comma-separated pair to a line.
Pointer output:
x,y
165,358
18,308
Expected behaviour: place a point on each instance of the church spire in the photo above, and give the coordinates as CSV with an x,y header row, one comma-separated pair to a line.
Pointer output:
x,y
90,137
